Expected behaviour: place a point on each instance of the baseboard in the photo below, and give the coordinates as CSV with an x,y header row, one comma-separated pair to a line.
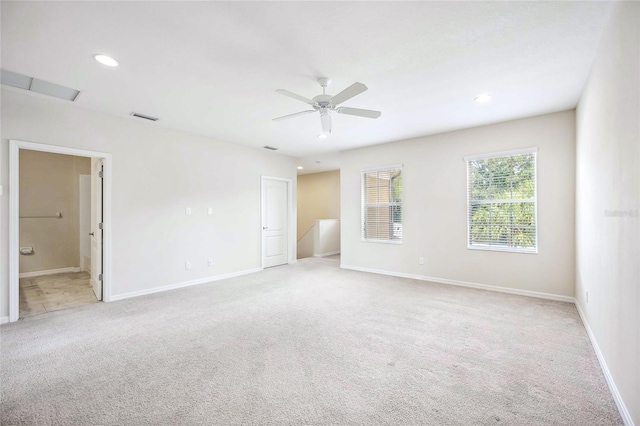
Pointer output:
x,y
528,293
331,253
624,413
49,272
4,320
181,285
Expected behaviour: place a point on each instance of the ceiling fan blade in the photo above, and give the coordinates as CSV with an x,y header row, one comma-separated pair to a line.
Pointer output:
x,y
284,117
295,96
325,119
359,112
348,93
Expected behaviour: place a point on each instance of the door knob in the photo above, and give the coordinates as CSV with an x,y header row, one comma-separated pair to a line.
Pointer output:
x,y
91,233
264,227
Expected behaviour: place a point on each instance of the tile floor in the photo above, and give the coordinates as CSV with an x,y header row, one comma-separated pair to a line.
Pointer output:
x,y
48,293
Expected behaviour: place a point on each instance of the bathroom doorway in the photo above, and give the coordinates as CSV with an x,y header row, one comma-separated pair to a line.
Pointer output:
x,y
59,217
55,206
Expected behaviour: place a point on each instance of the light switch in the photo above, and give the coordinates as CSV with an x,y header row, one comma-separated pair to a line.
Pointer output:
x,y
210,210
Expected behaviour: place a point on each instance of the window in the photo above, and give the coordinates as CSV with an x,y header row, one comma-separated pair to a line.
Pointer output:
x,y
501,193
382,204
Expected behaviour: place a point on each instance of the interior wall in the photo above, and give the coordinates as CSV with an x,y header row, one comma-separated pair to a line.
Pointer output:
x,y
608,202
435,207
157,173
49,183
318,198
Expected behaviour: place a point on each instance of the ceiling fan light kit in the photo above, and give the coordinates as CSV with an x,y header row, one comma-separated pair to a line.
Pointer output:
x,y
324,104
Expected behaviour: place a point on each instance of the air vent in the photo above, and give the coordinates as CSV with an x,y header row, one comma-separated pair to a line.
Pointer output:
x,y
270,148
25,82
145,117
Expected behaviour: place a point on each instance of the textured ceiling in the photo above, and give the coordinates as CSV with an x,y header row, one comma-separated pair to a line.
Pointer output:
x,y
211,68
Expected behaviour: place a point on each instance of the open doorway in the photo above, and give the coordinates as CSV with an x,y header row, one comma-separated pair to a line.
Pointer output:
x,y
54,272
59,221
318,214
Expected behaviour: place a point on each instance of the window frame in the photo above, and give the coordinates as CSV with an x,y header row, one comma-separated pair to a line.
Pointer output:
x,y
511,153
363,204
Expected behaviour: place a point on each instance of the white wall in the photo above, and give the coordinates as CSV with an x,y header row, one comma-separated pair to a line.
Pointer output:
x,y
328,241
608,202
156,174
434,209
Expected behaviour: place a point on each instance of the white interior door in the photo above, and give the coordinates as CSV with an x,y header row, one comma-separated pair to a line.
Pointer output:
x,y
275,222
96,226
85,222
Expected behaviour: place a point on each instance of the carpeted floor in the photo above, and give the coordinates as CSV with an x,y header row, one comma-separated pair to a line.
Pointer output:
x,y
307,344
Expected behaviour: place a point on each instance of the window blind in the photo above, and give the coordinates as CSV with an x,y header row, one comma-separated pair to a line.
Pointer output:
x,y
501,193
382,204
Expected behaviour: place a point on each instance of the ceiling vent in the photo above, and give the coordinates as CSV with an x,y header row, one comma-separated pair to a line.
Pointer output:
x,y
270,148
21,81
145,117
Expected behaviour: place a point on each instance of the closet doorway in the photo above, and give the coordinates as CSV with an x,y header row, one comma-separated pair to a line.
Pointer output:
x,y
59,222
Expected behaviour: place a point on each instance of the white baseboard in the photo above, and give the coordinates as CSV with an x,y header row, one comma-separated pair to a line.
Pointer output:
x,y
4,320
113,298
529,293
331,253
624,413
49,272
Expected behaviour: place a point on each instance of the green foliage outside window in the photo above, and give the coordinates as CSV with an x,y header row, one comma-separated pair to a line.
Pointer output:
x,y
502,202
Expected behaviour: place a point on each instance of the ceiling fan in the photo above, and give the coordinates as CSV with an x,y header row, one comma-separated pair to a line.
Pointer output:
x,y
325,103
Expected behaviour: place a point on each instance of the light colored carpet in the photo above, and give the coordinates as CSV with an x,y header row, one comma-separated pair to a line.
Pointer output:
x,y
308,344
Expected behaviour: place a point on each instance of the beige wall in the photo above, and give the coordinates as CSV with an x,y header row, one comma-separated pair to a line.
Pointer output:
x,y
608,202
156,174
435,207
318,198
49,183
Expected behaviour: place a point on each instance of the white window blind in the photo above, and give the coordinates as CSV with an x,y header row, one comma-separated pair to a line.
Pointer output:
x,y
501,193
382,204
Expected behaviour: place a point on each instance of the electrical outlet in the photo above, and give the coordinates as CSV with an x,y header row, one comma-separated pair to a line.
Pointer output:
x,y
587,296
187,210
187,265
421,260
210,262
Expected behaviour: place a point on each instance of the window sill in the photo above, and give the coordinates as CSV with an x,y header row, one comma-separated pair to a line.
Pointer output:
x,y
503,249
364,240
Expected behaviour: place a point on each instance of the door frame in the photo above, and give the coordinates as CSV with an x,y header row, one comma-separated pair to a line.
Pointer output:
x,y
14,209
291,220
80,178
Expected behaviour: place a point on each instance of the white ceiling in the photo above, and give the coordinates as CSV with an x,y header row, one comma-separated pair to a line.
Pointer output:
x,y
211,68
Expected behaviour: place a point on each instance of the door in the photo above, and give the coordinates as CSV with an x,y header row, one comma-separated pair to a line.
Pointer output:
x,y
96,226
275,222
85,222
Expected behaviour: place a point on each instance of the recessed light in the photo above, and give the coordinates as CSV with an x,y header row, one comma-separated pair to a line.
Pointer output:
x,y
483,98
322,136
106,60
300,167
